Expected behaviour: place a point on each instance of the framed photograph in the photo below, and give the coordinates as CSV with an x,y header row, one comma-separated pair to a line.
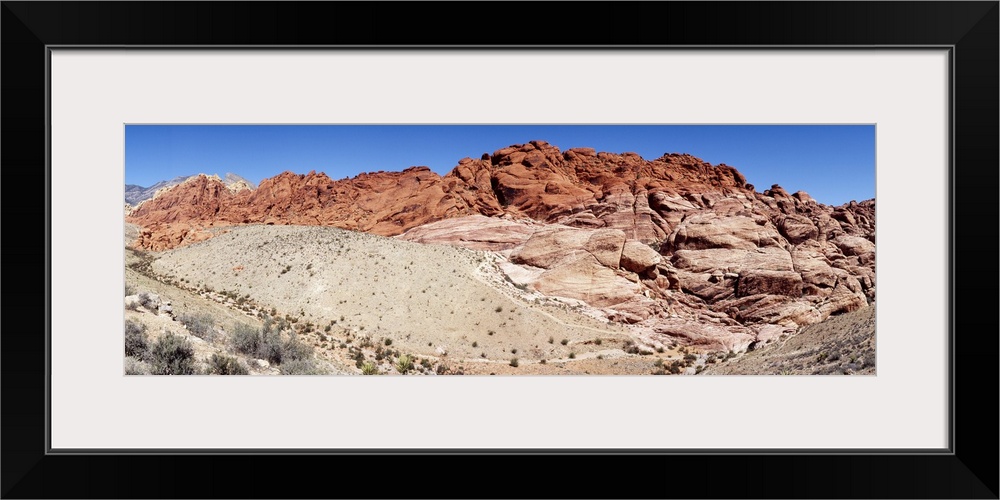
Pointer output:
x,y
773,146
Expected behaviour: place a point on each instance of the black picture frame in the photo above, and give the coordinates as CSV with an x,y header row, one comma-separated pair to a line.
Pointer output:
x,y
968,470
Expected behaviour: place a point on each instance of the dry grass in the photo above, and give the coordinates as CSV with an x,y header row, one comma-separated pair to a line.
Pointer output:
x,y
843,344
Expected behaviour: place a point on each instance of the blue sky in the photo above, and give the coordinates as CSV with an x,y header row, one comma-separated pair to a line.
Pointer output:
x,y
833,163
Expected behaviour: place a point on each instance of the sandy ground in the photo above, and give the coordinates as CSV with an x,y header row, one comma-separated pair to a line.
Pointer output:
x,y
358,298
347,292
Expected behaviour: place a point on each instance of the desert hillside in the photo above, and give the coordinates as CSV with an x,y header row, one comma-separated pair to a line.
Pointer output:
x,y
842,344
529,253
450,306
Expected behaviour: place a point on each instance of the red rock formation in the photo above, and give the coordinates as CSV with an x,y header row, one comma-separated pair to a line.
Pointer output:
x,y
578,188
584,225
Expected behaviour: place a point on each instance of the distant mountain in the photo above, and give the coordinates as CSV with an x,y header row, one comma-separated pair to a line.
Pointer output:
x,y
135,194
236,182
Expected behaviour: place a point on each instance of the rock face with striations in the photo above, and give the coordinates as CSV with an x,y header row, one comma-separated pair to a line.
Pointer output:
x,y
657,243
578,187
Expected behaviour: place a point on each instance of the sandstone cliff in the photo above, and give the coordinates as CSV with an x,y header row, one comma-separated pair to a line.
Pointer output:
x,y
662,244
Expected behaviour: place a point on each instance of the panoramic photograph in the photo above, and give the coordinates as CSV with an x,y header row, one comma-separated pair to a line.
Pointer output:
x,y
503,250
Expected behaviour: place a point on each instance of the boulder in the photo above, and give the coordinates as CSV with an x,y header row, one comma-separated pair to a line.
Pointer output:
x,y
588,280
638,257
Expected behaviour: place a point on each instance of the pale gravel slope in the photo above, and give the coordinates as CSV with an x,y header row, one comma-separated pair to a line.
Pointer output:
x,y
425,298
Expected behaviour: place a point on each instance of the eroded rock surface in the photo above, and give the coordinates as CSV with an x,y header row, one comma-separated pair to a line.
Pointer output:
x,y
662,244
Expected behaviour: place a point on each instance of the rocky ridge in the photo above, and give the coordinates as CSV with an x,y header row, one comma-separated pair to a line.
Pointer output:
x,y
662,244
135,194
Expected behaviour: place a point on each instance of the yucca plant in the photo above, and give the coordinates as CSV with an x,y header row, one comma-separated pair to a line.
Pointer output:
x,y
369,368
404,363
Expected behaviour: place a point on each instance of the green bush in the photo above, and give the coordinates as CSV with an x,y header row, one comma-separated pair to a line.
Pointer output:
x,y
136,343
226,365
172,355
369,368
404,364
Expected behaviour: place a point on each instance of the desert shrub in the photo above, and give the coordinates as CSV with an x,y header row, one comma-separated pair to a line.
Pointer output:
x,y
245,339
499,309
631,347
200,325
129,290
404,364
271,348
475,344
145,300
136,366
513,351
369,368
136,343
226,365
551,340
598,341
302,367
564,341
513,362
295,349
572,355
172,355
388,341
